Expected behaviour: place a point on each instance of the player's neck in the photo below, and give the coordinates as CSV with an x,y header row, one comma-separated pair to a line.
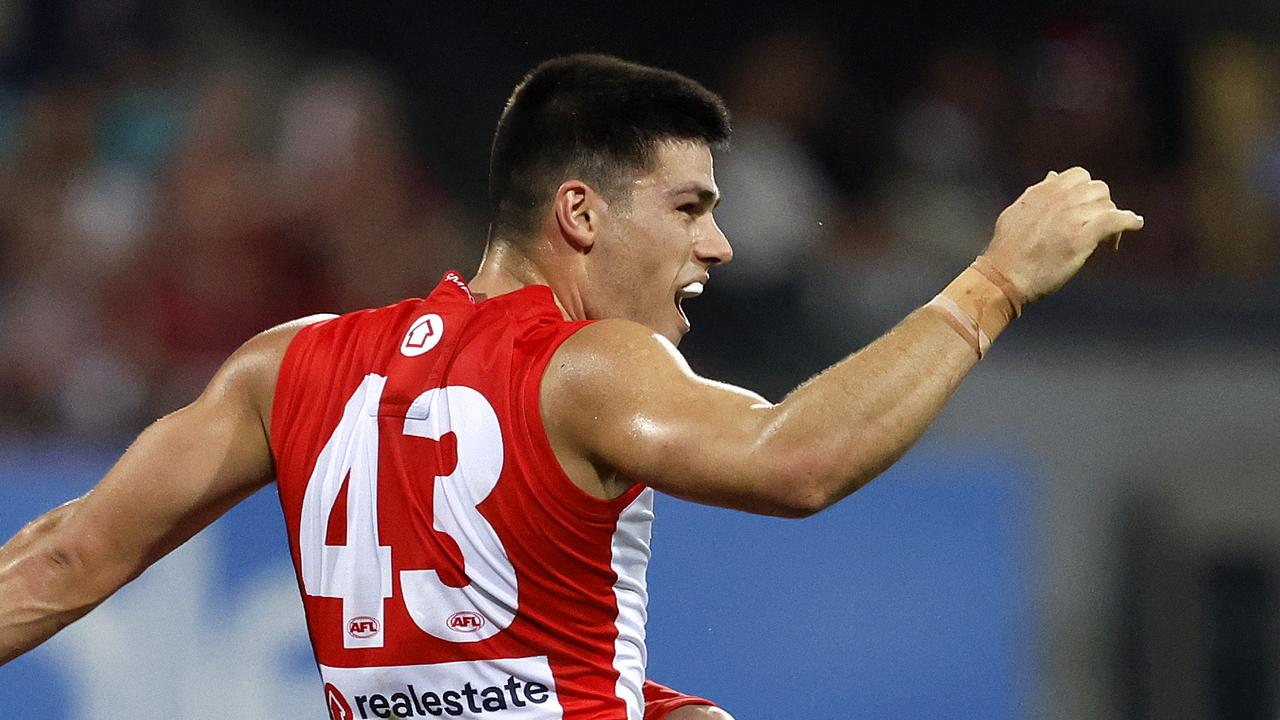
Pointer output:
x,y
506,268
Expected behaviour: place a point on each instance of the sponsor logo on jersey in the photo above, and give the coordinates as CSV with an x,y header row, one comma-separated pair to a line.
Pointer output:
x,y
466,621
469,700
339,708
500,689
362,626
423,334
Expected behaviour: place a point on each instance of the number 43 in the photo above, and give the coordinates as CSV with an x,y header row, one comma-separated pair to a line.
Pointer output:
x,y
360,572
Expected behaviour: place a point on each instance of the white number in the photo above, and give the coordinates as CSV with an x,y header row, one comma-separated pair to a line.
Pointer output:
x,y
437,608
360,572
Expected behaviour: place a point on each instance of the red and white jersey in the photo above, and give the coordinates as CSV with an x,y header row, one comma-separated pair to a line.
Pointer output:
x,y
448,566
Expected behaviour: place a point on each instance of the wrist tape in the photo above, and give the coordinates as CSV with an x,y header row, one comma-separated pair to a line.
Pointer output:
x,y
962,322
970,327
997,278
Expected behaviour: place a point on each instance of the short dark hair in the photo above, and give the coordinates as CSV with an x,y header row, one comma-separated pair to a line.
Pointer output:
x,y
592,117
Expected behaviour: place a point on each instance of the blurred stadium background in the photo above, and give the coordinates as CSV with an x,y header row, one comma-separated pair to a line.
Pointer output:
x,y
1091,530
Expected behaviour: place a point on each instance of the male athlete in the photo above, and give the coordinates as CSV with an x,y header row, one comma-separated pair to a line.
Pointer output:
x,y
467,478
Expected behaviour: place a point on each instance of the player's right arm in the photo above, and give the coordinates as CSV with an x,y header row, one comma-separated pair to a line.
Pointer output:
x,y
621,405
181,473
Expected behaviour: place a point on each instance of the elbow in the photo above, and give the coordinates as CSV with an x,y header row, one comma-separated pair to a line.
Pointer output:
x,y
61,583
803,504
57,566
813,482
806,489
54,539
62,562
84,578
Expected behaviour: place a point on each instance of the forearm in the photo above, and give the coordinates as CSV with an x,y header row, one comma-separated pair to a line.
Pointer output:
x,y
846,425
712,443
40,590
851,422
182,472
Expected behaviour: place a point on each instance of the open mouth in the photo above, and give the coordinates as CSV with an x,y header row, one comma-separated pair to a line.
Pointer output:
x,y
686,291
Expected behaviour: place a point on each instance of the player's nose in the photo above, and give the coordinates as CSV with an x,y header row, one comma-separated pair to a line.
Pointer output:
x,y
713,248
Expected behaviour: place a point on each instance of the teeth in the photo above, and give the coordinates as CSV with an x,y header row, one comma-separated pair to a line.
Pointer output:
x,y
693,289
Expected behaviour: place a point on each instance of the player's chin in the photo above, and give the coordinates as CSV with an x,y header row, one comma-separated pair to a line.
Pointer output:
x,y
669,322
679,329
672,333
681,320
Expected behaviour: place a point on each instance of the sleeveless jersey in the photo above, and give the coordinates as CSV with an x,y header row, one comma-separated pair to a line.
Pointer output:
x,y
448,566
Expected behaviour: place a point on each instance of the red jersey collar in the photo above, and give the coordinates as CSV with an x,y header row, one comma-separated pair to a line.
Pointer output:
x,y
536,299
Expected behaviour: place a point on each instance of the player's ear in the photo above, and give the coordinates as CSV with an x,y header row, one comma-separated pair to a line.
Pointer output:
x,y
577,214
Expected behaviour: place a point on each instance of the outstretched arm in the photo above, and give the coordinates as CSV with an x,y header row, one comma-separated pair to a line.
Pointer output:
x,y
181,473
619,399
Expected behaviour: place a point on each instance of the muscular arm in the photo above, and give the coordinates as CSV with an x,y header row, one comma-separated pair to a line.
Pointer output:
x,y
620,401
181,473
721,445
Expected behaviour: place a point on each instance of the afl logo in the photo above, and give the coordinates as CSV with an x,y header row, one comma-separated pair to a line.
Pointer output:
x,y
424,334
339,708
362,627
465,621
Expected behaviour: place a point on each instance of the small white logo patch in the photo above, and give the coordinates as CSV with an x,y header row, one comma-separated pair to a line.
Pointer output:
x,y
424,334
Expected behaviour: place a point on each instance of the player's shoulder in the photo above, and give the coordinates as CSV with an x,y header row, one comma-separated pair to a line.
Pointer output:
x,y
617,341
610,355
275,341
251,371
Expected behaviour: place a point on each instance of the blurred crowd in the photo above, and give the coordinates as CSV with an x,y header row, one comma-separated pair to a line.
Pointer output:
x,y
167,197
163,206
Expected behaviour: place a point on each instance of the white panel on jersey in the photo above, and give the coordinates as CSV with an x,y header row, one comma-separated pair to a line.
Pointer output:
x,y
630,563
507,689
488,603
